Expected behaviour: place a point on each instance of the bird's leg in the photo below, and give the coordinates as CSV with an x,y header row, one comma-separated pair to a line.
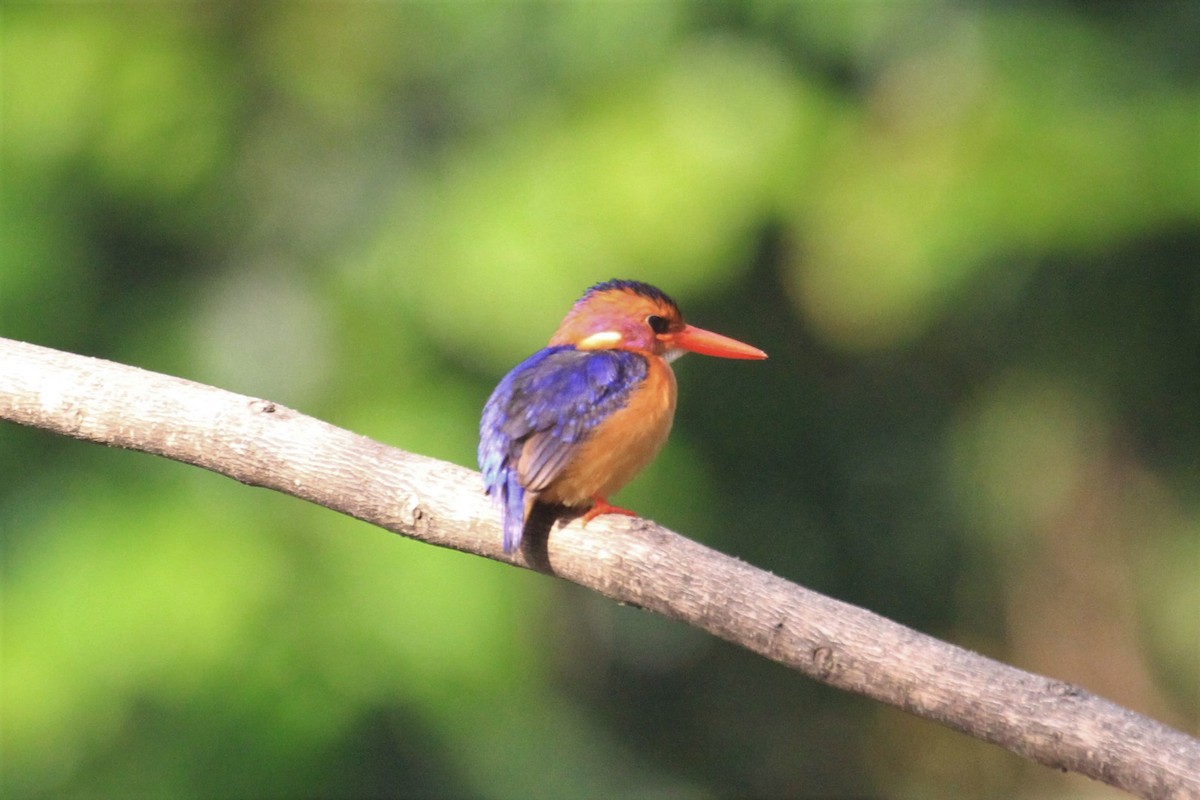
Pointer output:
x,y
602,506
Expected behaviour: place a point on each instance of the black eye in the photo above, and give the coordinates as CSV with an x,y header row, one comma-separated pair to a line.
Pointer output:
x,y
658,324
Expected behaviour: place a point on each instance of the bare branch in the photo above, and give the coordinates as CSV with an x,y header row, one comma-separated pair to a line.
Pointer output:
x,y
261,443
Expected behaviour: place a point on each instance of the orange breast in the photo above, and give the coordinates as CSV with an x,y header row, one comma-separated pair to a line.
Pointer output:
x,y
622,445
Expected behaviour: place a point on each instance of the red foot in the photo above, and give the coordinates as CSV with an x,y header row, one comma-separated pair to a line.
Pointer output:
x,y
601,506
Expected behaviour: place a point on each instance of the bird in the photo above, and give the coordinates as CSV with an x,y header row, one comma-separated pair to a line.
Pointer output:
x,y
577,420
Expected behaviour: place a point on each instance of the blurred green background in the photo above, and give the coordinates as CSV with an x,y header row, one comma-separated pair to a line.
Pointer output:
x,y
968,236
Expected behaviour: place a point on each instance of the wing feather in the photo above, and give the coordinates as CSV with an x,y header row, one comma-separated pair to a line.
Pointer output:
x,y
541,412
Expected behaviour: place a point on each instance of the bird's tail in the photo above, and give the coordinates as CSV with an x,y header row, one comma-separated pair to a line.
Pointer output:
x,y
513,497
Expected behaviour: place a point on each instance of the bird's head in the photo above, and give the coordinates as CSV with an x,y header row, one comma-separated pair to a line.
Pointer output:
x,y
628,315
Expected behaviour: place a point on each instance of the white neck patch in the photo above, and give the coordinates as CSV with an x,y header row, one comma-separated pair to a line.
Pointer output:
x,y
599,340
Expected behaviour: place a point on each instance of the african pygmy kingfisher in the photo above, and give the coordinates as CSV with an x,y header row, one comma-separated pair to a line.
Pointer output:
x,y
577,420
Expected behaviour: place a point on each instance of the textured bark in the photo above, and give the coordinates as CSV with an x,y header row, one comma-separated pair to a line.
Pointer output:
x,y
261,443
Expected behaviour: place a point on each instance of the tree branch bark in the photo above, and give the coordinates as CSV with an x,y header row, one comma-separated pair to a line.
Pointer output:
x,y
261,443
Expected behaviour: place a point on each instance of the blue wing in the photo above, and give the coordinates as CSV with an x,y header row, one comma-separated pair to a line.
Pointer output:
x,y
540,413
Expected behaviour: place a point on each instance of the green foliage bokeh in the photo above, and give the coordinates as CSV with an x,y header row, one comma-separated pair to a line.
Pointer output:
x,y
967,235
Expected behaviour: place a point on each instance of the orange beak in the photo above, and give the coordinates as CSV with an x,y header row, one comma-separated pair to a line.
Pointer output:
x,y
698,340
